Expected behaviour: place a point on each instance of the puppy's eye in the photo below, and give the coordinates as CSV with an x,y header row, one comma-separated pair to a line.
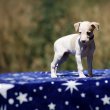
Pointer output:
x,y
88,33
79,32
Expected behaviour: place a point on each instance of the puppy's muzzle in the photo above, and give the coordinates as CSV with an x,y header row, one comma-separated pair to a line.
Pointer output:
x,y
83,41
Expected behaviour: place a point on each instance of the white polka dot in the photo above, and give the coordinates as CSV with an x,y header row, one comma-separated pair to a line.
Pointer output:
x,y
77,107
96,108
97,83
106,81
97,96
11,101
17,105
16,93
83,95
52,82
30,98
66,102
45,97
59,90
41,88
34,90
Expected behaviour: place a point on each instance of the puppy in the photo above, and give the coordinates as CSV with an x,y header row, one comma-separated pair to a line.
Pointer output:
x,y
81,45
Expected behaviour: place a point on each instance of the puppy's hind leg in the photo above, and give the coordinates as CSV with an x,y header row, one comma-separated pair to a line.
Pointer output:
x,y
54,64
64,58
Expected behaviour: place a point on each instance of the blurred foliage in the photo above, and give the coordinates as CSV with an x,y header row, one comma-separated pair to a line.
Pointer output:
x,y
28,29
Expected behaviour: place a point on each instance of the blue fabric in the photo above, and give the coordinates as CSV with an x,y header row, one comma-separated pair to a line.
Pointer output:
x,y
38,91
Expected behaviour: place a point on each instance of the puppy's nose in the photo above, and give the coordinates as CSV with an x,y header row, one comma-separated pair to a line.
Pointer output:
x,y
83,41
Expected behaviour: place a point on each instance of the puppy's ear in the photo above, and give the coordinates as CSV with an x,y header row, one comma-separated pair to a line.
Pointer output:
x,y
95,25
76,26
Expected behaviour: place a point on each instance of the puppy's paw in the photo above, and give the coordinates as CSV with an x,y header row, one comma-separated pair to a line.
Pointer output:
x,y
53,75
90,75
82,76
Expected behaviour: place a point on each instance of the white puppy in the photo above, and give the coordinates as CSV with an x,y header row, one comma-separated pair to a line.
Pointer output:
x,y
81,45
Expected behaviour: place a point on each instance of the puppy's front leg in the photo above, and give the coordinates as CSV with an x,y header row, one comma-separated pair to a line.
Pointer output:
x,y
79,66
89,62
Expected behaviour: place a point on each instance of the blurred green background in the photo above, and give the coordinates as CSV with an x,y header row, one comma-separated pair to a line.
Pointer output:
x,y
28,29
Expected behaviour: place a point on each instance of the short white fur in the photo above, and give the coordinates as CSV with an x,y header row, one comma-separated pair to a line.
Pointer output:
x,y
80,44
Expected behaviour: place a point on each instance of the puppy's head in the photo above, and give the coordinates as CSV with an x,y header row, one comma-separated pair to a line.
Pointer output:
x,y
86,29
